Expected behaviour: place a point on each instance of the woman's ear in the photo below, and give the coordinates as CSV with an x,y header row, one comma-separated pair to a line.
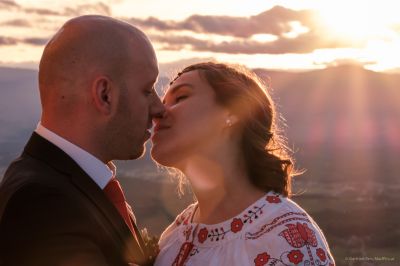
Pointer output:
x,y
103,95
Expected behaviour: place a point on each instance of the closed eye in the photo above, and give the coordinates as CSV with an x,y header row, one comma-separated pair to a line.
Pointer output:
x,y
180,98
149,92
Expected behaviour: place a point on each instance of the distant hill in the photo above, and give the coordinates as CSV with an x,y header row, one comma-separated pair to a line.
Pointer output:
x,y
341,119
19,111
338,119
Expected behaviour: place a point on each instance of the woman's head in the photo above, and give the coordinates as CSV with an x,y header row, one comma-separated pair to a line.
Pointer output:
x,y
230,98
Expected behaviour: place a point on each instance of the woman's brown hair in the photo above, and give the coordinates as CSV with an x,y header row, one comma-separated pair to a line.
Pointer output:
x,y
266,156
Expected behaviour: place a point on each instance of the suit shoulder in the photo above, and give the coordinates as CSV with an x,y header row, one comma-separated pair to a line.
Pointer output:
x,y
41,218
35,199
28,169
30,175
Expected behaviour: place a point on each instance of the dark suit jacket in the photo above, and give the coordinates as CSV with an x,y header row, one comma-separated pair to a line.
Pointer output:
x,y
52,213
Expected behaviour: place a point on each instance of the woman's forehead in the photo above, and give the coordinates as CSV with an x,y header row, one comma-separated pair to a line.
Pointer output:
x,y
191,76
190,79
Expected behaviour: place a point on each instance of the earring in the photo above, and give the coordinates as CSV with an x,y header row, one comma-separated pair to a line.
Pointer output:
x,y
229,122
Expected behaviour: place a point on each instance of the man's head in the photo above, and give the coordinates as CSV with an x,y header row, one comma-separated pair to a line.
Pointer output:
x,y
96,79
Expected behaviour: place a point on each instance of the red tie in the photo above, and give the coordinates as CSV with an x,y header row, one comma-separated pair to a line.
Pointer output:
x,y
114,192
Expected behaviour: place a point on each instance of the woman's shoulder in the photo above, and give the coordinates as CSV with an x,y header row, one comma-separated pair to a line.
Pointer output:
x,y
286,233
279,216
185,216
181,219
278,212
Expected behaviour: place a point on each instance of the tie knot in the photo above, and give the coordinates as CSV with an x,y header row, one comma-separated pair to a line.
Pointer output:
x,y
114,191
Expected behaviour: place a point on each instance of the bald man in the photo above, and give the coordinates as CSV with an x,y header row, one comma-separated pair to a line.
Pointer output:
x,y
60,201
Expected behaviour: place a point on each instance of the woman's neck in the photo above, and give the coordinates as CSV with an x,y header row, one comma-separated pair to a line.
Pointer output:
x,y
222,187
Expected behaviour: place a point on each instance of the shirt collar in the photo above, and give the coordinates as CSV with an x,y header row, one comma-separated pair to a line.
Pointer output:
x,y
100,173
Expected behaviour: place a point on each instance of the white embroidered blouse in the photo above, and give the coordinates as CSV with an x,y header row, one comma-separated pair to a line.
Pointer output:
x,y
272,231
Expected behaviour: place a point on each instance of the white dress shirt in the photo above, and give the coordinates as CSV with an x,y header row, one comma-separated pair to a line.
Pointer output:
x,y
100,173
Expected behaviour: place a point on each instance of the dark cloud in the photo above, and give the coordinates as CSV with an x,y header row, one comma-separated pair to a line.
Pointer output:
x,y
35,41
97,8
276,21
7,41
41,11
8,4
17,23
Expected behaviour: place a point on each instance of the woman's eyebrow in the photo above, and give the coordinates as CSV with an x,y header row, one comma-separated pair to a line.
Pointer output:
x,y
174,89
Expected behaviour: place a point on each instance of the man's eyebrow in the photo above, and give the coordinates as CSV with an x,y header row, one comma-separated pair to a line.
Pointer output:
x,y
174,89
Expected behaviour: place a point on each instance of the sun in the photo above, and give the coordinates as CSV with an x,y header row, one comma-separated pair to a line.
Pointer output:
x,y
358,20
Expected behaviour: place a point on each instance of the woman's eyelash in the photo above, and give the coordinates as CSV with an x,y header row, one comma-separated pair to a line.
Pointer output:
x,y
179,98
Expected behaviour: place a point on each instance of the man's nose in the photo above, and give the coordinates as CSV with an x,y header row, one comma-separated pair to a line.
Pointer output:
x,y
157,108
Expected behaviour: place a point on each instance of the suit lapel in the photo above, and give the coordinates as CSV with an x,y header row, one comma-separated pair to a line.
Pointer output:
x,y
97,197
136,229
43,150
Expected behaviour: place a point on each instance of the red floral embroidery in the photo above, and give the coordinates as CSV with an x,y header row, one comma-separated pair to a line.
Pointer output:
x,y
295,256
261,259
187,232
236,225
273,199
184,252
298,235
179,219
183,218
321,254
202,235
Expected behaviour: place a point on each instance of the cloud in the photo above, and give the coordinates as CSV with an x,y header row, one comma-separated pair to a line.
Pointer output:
x,y
96,8
346,62
35,41
17,23
41,11
276,21
8,41
8,4
304,43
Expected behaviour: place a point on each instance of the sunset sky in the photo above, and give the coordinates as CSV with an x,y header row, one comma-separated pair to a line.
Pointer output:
x,y
274,34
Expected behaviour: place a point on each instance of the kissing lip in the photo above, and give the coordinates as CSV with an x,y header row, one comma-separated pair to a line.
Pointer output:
x,y
159,127
149,125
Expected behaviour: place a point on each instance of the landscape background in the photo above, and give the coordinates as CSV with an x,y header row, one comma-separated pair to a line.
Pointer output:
x,y
343,124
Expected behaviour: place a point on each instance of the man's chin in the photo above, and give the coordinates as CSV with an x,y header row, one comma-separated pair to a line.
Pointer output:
x,y
138,154
132,154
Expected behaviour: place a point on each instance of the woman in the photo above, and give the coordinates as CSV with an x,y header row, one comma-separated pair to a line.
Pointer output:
x,y
220,131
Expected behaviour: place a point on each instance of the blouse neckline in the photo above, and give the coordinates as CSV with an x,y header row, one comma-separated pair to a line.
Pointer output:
x,y
216,234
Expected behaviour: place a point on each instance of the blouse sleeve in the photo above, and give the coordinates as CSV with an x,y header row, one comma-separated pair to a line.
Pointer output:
x,y
182,218
292,238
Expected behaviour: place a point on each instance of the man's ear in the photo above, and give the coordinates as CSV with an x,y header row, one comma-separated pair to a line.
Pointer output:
x,y
103,95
